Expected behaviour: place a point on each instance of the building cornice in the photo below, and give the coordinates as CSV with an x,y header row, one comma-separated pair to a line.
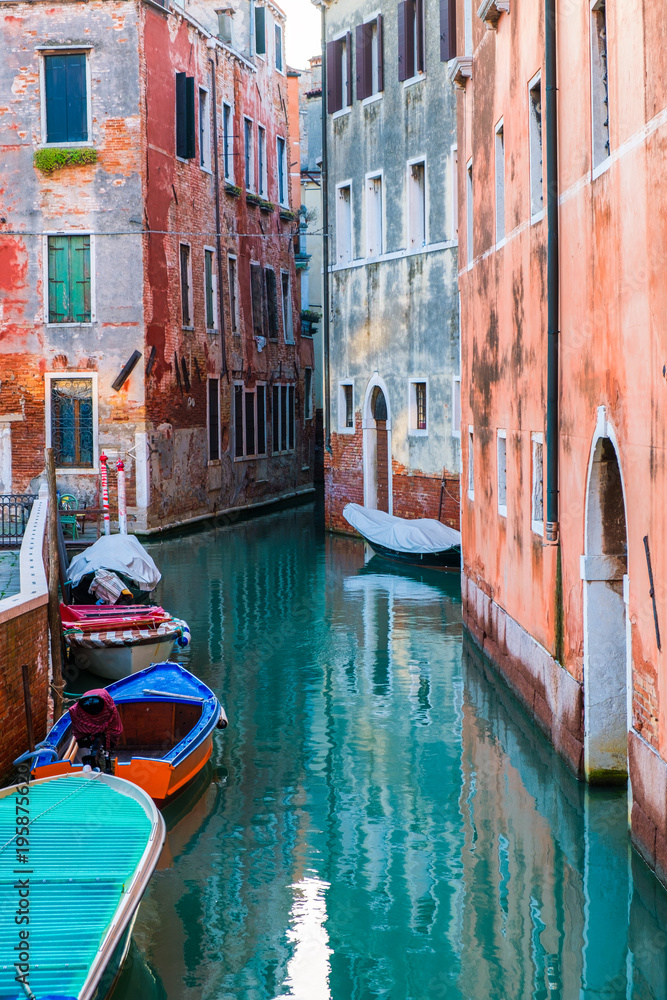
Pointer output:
x,y
490,10
460,71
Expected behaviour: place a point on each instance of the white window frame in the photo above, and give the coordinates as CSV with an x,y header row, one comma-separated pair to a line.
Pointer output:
x,y
262,169
537,526
64,50
248,392
501,435
287,310
340,260
414,162
599,162
413,430
455,191
279,27
342,407
456,407
374,53
234,312
280,386
471,462
536,204
251,187
204,154
308,398
285,200
228,146
214,283
347,108
45,277
469,213
375,175
57,376
499,145
191,303
213,461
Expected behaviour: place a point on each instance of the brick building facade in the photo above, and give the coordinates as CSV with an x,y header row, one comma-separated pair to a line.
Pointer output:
x,y
395,386
150,303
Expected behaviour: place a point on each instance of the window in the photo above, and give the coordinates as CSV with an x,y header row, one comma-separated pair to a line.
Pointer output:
x,y
233,300
210,289
455,192
500,181
185,116
308,393
69,279
456,406
204,130
288,322
186,286
282,418
281,149
257,300
416,205
346,407
249,155
374,240
471,464
467,27
339,73
343,224
537,498
71,421
227,140
261,165
226,26
410,39
535,133
447,30
469,207
249,421
369,58
66,97
279,47
260,30
213,417
502,472
271,302
599,82
417,407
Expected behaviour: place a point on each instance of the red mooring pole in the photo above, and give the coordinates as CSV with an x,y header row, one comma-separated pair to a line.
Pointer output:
x,y
105,493
122,503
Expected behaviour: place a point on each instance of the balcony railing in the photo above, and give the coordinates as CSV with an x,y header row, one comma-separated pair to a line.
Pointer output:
x,y
14,513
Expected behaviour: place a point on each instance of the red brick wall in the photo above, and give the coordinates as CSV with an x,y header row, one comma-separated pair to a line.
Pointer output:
x,y
23,639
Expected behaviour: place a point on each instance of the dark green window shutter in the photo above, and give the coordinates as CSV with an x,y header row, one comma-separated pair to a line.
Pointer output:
x,y
66,104
79,254
257,297
69,279
272,303
283,418
238,421
190,124
213,419
260,30
261,419
275,419
208,266
290,417
250,423
181,141
58,279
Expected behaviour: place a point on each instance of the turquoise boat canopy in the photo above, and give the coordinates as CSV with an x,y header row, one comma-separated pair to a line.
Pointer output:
x,y
86,840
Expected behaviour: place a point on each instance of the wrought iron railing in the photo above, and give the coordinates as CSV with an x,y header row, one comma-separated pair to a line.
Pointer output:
x,y
14,513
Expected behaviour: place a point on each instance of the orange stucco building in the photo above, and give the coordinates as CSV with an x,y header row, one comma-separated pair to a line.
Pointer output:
x,y
563,602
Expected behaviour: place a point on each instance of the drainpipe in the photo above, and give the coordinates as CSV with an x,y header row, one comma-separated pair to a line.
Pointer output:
x,y
218,240
325,237
552,525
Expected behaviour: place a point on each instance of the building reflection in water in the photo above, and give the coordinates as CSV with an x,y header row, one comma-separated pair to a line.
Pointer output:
x,y
391,825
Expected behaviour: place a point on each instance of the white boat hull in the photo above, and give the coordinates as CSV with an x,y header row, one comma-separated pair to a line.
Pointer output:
x,y
114,662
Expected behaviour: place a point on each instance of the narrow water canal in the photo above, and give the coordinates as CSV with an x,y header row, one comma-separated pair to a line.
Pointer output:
x,y
381,821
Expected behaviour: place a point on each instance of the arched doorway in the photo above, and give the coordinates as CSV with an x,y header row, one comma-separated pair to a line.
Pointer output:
x,y
606,657
377,447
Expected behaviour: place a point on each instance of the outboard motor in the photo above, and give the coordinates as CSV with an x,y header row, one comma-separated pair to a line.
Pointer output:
x,y
99,758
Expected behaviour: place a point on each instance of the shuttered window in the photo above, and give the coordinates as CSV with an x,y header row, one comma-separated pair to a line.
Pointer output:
x,y
249,421
213,419
283,418
209,281
447,30
69,279
66,98
339,73
410,39
257,297
288,323
260,30
185,116
271,303
369,58
186,285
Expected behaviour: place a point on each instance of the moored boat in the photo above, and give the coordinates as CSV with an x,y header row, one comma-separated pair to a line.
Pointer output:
x,y
168,717
115,568
77,871
422,542
116,641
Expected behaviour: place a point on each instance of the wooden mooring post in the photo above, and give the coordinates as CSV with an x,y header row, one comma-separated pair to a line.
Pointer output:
x,y
55,624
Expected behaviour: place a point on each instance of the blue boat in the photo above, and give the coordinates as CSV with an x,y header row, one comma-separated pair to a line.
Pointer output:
x,y
168,717
71,879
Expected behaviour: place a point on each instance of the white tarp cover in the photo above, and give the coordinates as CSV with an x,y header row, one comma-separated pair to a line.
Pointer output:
x,y
420,535
120,554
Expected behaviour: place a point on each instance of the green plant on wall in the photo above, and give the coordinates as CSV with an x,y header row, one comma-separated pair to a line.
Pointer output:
x,y
48,160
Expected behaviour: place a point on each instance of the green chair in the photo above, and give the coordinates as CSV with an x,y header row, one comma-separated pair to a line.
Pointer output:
x,y
67,503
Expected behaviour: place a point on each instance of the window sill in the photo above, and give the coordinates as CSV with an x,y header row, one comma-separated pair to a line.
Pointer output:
x,y
67,471
206,170
537,217
190,329
471,495
343,111
413,432
87,144
602,167
346,430
372,99
58,326
249,458
212,331
213,462
502,510
538,527
414,79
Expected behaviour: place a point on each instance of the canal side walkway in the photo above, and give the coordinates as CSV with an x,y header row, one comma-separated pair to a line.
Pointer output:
x,y
10,579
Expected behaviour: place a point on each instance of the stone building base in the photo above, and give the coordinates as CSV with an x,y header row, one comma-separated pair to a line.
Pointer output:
x,y
551,695
648,783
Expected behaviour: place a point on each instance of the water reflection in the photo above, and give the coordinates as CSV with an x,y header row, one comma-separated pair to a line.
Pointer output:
x,y
389,824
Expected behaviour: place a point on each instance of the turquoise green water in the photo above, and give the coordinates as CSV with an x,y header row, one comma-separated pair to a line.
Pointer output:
x,y
382,820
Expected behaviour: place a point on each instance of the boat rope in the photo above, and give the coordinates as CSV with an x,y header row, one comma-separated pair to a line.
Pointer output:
x,y
76,791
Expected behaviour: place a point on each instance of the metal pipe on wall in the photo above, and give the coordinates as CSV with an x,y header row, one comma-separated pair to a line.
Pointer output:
x,y
553,332
325,238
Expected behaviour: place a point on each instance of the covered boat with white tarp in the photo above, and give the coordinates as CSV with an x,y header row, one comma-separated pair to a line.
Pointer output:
x,y
115,569
416,542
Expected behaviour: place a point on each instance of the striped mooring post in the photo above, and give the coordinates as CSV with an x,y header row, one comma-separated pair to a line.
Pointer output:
x,y
105,493
122,503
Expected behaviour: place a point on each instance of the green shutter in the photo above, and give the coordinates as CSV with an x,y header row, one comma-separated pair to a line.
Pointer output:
x,y
208,263
58,279
69,279
79,247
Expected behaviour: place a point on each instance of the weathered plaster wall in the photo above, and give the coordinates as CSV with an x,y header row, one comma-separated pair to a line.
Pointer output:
x,y
397,316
